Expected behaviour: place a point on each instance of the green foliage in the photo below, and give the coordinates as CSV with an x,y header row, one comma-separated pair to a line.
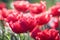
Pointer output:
x,y
50,3
7,1
34,1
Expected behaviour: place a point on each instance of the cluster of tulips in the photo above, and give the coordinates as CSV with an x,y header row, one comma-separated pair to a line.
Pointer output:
x,y
26,17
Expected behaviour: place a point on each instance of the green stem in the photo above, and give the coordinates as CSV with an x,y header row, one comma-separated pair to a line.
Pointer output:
x,y
3,29
22,36
13,37
28,36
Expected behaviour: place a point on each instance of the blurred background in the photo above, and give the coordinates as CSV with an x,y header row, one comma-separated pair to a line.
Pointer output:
x,y
49,2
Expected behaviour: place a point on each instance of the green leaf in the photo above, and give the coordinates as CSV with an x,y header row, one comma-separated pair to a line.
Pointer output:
x,y
32,1
13,37
57,0
22,37
7,1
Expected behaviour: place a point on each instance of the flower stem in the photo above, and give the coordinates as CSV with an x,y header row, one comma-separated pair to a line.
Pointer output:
x,y
3,29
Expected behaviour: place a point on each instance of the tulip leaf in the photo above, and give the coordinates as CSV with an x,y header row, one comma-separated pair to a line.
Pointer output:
x,y
13,37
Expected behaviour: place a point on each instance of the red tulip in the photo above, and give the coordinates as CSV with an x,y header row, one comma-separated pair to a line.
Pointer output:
x,y
5,12
54,23
34,32
50,34
43,18
21,5
55,10
25,23
12,16
30,21
37,8
2,5
16,27
1,18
